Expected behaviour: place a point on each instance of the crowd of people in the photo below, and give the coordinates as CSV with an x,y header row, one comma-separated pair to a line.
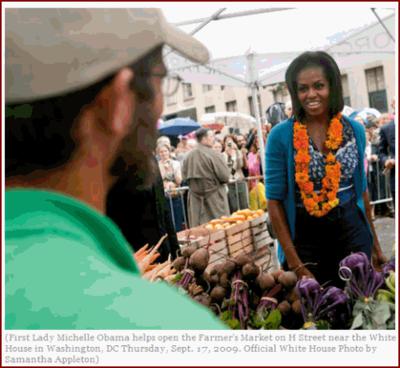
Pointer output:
x,y
88,179
235,158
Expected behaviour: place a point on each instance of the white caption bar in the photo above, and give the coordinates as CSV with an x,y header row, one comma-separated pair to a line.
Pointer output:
x,y
200,348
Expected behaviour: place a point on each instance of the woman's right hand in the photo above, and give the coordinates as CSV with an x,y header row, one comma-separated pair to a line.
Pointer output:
x,y
303,272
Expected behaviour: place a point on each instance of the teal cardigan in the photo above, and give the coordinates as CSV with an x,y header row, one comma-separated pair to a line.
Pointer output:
x,y
279,174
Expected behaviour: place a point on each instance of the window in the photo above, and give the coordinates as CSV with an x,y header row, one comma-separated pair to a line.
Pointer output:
x,y
346,93
187,90
376,88
231,106
250,100
207,87
209,109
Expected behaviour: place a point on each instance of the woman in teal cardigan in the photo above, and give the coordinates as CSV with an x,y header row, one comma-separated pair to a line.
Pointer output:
x,y
315,180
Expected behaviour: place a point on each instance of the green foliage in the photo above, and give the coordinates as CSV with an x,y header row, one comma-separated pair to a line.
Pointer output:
x,y
265,320
228,319
373,315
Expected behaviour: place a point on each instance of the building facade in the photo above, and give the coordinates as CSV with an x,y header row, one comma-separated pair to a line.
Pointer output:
x,y
367,61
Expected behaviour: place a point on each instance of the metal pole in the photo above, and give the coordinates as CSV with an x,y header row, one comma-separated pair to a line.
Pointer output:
x,y
183,209
203,22
171,206
231,15
237,196
215,16
383,24
254,89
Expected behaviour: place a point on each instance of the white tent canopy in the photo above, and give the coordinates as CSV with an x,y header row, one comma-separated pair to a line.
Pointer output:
x,y
253,70
235,120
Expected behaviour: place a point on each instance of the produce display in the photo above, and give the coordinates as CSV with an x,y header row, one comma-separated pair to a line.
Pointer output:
x,y
238,217
245,296
236,290
146,259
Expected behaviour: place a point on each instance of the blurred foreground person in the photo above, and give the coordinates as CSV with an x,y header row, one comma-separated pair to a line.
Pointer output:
x,y
83,99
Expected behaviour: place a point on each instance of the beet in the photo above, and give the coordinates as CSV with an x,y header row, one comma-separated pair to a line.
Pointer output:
x,y
265,281
198,261
296,306
179,263
218,293
218,268
203,299
228,267
214,279
276,274
284,307
292,296
242,258
250,271
288,279
224,280
188,251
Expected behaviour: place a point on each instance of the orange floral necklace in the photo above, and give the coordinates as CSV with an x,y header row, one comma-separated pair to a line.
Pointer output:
x,y
318,204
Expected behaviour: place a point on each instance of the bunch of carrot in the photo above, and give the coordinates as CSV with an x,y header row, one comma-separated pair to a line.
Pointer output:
x,y
146,258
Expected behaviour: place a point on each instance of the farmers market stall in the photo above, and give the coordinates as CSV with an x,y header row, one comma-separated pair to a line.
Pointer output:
x,y
228,265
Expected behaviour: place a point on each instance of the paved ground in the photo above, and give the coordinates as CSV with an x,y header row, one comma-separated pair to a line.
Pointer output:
x,y
385,228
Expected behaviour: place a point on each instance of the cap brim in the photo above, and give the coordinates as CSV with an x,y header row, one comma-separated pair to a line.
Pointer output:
x,y
186,45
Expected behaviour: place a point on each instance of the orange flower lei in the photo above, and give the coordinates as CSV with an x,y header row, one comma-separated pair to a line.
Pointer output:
x,y
320,204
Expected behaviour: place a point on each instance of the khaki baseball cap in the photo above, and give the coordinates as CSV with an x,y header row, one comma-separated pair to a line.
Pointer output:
x,y
53,51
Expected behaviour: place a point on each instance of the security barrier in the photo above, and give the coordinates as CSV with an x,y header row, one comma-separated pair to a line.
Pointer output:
x,y
378,184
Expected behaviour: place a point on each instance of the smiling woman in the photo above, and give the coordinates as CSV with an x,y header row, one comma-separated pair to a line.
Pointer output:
x,y
315,179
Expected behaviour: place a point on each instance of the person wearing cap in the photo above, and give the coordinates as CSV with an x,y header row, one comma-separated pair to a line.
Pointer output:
x,y
83,95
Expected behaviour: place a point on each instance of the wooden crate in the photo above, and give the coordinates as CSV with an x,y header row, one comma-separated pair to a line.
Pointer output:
x,y
237,228
237,237
247,249
259,220
199,236
262,239
218,256
260,228
243,243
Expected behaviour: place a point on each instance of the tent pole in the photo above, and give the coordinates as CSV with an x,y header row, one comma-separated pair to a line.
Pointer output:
x,y
207,20
231,15
254,90
383,24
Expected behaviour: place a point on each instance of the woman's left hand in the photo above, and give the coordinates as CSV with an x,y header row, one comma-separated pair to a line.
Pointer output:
x,y
378,258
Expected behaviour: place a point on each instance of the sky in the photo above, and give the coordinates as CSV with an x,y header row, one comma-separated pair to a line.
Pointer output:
x,y
308,26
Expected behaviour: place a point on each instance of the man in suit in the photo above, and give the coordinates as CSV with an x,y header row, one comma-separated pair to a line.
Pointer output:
x,y
387,154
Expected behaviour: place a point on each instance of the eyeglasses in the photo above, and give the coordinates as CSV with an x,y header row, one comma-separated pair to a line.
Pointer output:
x,y
170,82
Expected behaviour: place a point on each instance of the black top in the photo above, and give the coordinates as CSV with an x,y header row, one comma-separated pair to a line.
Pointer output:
x,y
142,214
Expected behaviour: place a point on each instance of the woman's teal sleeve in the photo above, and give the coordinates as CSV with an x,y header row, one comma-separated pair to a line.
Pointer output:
x,y
276,166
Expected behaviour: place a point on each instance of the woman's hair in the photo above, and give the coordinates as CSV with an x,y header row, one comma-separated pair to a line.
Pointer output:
x,y
331,71
38,134
231,136
163,145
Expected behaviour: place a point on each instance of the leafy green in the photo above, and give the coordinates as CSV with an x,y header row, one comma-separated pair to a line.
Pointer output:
x,y
373,315
266,320
227,318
